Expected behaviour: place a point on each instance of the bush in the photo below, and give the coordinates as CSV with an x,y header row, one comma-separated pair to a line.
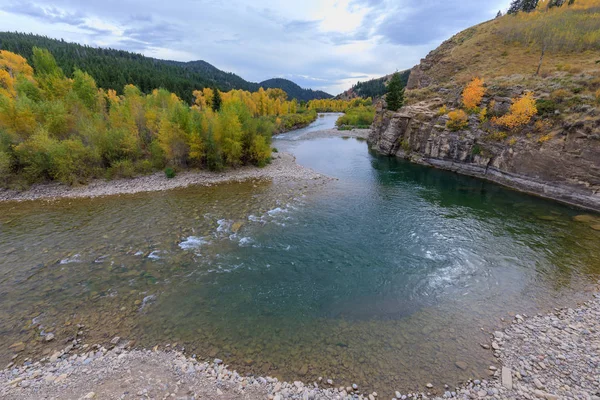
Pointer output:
x,y
274,150
357,117
121,169
521,112
473,94
560,95
458,120
169,173
443,110
545,107
476,150
598,96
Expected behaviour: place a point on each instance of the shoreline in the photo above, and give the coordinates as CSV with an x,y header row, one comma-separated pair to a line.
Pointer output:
x,y
283,168
548,356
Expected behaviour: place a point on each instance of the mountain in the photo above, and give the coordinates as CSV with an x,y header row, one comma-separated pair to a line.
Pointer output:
x,y
534,125
293,90
113,69
373,88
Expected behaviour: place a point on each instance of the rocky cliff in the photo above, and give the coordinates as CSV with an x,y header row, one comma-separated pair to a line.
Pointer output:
x,y
563,165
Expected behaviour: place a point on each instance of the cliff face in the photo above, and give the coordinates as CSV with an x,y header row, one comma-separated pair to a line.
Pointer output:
x,y
565,168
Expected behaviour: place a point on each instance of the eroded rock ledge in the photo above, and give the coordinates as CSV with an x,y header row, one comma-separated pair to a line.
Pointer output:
x,y
565,168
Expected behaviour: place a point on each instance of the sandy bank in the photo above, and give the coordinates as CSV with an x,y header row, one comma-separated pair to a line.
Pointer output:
x,y
283,169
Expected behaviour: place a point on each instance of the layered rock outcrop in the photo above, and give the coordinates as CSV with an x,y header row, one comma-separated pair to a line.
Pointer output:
x,y
565,167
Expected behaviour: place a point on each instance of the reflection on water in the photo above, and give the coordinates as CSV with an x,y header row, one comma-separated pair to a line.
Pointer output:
x,y
384,278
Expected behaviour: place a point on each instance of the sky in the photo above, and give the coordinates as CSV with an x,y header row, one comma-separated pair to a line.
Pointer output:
x,y
320,44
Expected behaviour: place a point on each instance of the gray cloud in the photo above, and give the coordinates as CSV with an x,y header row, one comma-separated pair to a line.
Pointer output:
x,y
263,39
45,13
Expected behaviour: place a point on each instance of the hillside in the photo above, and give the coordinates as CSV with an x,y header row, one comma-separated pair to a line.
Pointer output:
x,y
537,132
113,69
374,88
293,90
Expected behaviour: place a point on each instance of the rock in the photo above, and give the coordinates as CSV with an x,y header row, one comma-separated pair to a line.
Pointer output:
x,y
462,365
17,347
115,340
304,370
90,395
595,227
429,386
49,337
538,384
507,378
60,378
55,356
218,361
492,368
329,382
354,386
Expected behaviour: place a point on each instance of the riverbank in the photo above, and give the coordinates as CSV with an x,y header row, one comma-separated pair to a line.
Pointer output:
x,y
283,168
551,356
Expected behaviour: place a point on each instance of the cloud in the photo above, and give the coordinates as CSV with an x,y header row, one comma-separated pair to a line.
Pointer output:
x,y
321,44
45,13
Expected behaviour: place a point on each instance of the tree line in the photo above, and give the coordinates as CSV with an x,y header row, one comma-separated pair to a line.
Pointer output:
x,y
57,128
113,69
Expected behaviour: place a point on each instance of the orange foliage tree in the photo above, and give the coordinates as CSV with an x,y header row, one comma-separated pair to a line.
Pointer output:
x,y
521,112
473,94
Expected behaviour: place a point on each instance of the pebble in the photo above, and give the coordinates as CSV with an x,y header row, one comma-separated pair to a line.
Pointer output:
x,y
547,357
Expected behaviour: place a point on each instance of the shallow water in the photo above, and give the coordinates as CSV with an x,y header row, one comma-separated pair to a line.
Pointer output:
x,y
384,278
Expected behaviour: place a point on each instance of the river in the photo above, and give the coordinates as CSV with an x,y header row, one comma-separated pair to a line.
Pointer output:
x,y
389,277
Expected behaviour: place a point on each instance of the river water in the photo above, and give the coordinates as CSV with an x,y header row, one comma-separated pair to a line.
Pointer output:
x,y
389,277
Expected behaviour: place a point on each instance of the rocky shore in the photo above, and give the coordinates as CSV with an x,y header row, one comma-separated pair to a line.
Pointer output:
x,y
353,133
283,169
526,162
553,356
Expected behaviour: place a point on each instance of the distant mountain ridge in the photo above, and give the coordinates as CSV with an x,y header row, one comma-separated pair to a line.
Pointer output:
x,y
113,69
293,90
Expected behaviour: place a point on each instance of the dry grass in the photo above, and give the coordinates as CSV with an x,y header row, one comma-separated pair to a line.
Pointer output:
x,y
484,51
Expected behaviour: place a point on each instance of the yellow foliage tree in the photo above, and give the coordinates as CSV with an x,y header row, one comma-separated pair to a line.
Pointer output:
x,y
473,94
521,112
458,120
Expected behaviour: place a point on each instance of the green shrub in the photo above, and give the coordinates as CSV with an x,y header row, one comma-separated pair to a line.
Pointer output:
x,y
545,107
169,173
274,150
358,117
121,169
476,150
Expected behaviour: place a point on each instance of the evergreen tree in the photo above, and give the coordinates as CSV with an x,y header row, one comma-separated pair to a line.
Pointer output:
x,y
529,5
515,6
216,100
395,93
499,14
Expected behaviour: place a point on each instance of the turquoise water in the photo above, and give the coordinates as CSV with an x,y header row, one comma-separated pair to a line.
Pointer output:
x,y
387,277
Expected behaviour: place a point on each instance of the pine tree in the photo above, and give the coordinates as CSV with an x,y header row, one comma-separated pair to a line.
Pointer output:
x,y
395,93
499,14
216,100
529,5
515,7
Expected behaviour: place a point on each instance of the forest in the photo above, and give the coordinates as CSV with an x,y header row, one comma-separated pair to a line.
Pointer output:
x,y
56,128
376,88
113,69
